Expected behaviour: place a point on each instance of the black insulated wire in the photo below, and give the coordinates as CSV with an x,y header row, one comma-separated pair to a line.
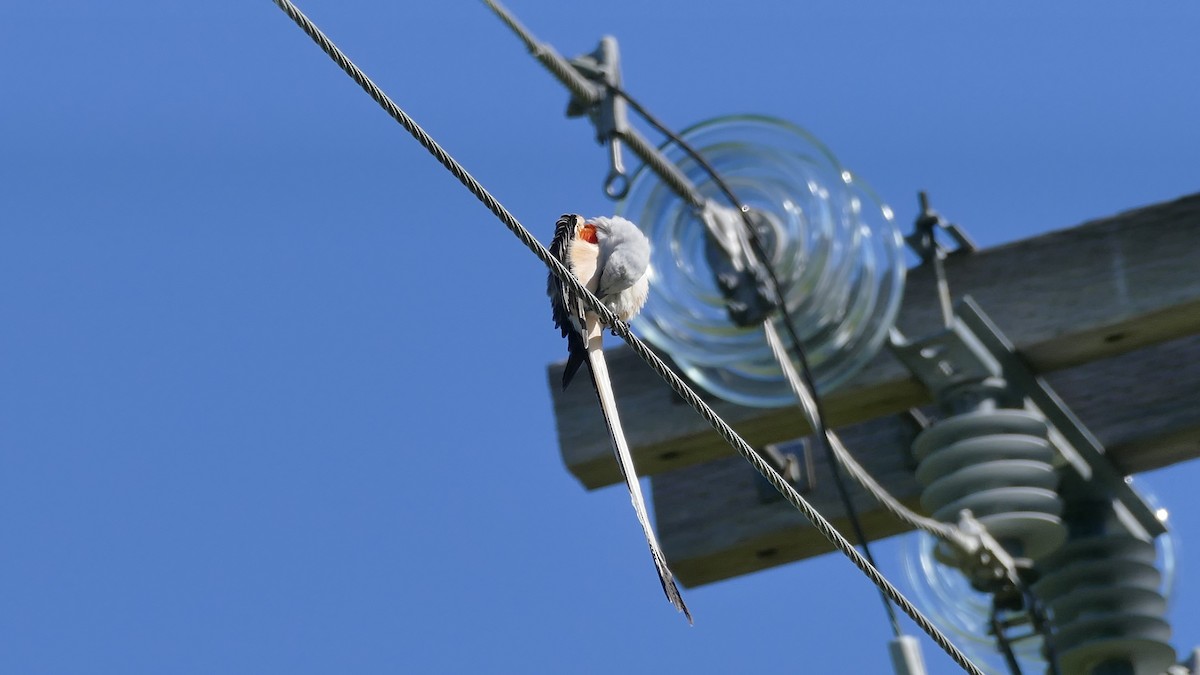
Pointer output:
x,y
1003,643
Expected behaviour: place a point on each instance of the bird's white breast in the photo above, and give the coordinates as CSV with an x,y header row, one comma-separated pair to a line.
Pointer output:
x,y
585,257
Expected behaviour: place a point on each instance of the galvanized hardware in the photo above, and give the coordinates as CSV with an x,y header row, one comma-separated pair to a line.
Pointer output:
x,y
793,460
924,242
742,282
923,239
610,115
1014,467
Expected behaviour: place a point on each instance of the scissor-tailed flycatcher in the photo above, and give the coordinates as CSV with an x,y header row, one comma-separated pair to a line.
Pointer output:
x,y
611,257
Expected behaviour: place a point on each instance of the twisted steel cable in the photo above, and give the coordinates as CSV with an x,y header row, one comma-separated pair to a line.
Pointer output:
x,y
622,330
583,90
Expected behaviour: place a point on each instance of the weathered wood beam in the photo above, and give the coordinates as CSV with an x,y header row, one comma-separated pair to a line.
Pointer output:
x,y
1143,406
1064,298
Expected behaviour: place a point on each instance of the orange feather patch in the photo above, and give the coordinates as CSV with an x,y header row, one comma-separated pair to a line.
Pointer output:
x,y
588,233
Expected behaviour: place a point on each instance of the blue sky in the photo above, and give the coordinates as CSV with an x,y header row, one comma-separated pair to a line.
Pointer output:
x,y
273,390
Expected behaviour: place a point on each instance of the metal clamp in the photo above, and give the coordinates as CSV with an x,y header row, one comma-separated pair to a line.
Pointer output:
x,y
609,116
742,282
923,240
793,460
985,562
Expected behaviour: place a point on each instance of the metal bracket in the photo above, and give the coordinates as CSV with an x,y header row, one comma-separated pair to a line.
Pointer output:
x,y
952,363
742,283
923,240
985,562
793,460
610,116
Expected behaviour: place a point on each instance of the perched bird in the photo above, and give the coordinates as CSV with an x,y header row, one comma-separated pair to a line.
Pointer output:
x,y
611,257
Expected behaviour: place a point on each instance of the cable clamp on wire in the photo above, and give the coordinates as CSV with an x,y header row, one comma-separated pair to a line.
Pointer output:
x,y
739,276
609,115
982,559
794,461
923,240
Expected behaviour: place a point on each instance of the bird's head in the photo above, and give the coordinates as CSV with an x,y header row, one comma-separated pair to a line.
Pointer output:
x,y
614,231
609,230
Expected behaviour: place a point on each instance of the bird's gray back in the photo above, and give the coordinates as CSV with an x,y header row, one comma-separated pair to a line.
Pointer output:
x,y
624,254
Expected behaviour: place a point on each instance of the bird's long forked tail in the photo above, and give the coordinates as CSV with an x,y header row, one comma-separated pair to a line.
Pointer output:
x,y
608,406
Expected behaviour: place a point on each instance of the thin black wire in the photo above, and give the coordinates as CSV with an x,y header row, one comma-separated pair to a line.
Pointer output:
x,y
621,329
1041,624
1005,645
788,323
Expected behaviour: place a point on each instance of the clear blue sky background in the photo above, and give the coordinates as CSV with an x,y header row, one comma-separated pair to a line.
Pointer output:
x,y
273,394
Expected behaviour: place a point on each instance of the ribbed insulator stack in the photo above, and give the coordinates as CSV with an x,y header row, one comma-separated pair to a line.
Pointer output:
x,y
997,463
1106,607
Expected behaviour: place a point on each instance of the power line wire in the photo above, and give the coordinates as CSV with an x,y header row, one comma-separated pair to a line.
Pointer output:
x,y
621,329
1041,623
1005,645
583,90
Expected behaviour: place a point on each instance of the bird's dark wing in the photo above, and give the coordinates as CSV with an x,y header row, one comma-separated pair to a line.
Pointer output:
x,y
566,308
